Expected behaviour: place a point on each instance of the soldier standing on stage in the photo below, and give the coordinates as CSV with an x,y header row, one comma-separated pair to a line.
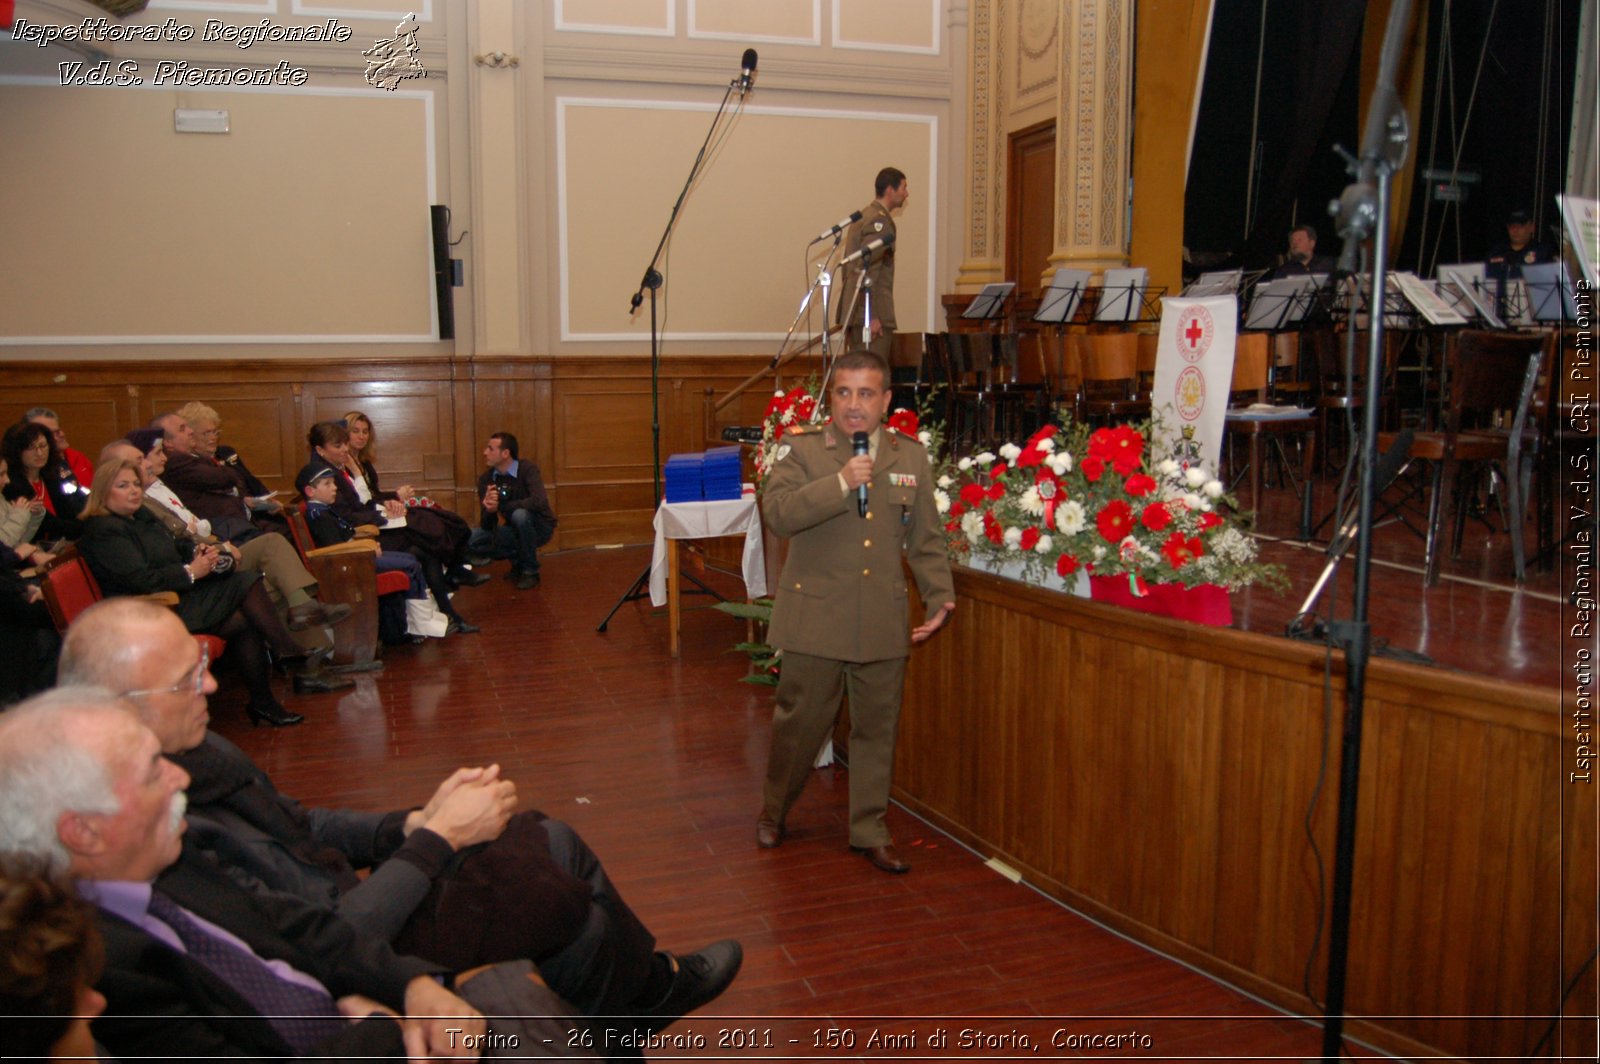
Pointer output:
x,y
840,614
876,222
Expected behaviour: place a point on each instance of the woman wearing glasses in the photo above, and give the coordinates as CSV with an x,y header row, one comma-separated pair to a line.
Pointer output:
x,y
131,553
36,473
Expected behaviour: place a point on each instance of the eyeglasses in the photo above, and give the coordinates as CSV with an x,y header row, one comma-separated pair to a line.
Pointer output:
x,y
210,434
41,444
192,684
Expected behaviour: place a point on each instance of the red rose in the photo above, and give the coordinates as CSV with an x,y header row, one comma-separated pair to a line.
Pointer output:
x,y
1092,467
1139,485
972,494
956,509
998,471
1030,538
1030,456
1066,565
992,530
997,491
904,421
1115,521
1209,521
1155,517
1043,434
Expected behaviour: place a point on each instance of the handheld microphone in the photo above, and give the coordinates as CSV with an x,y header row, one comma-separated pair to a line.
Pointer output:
x,y
868,249
747,70
855,216
858,445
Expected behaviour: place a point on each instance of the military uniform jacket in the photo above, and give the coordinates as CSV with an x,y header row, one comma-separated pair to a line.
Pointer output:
x,y
843,594
875,222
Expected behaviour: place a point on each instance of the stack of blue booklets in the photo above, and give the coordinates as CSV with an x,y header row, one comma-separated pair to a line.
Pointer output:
x,y
704,475
719,476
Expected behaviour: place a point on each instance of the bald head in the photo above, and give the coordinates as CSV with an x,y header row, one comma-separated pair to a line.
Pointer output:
x,y
120,450
143,652
176,433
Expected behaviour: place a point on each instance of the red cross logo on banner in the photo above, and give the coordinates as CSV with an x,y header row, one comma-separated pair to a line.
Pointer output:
x,y
1196,330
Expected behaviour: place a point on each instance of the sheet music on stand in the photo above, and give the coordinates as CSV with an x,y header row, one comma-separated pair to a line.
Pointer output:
x,y
1581,217
1059,303
1434,309
1281,302
1463,284
990,302
1549,292
1122,294
1397,311
1215,283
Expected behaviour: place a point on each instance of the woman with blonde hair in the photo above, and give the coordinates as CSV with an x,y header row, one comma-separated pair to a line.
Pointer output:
x,y
130,552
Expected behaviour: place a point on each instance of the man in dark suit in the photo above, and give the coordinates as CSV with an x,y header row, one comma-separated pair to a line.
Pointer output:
x,y
460,881
211,490
197,966
840,613
517,519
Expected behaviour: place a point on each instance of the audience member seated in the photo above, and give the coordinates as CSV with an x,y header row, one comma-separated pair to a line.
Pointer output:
x,y
460,881
445,532
20,520
36,473
130,553
354,501
210,490
200,967
517,519
423,616
207,425
76,461
28,639
50,958
288,581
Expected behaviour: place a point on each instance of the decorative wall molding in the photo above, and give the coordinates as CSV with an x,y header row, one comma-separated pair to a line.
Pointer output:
x,y
840,41
677,66
814,39
669,28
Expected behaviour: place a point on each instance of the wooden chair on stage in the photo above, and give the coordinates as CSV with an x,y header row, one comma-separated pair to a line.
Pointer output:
x,y
1251,369
1110,366
1487,372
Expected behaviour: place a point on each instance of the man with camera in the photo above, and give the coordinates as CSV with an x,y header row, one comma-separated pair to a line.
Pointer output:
x,y
517,519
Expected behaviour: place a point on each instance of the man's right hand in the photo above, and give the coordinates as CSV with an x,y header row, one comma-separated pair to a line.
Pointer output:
x,y
857,471
491,499
476,811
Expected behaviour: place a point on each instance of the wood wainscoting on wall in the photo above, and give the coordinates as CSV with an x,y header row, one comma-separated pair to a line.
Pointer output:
x,y
584,422
1157,774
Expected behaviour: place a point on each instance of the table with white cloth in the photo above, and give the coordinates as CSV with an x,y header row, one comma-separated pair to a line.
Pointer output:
x,y
704,520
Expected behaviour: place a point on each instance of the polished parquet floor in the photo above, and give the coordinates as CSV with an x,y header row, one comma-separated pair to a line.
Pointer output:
x,y
658,763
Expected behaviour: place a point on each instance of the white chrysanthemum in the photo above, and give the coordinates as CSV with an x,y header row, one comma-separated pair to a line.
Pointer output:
x,y
1070,518
984,458
941,499
1168,467
972,526
925,438
946,482
964,465
1013,538
1044,545
1010,451
1213,488
1060,463
787,417
1046,445
1099,552
1032,503
1195,476
1193,501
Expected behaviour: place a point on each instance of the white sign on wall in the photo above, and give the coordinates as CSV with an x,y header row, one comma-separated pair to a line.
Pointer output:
x,y
1194,368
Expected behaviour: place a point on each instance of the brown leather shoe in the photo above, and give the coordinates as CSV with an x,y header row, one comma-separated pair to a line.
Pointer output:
x,y
769,833
883,858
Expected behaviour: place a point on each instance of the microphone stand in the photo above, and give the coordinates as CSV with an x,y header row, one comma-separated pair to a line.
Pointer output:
x,y
1363,211
652,281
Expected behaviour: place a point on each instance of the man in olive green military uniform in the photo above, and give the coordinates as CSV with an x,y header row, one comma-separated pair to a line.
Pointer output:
x,y
840,611
876,222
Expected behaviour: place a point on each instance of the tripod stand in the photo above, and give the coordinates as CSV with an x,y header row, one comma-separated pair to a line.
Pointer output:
x,y
651,282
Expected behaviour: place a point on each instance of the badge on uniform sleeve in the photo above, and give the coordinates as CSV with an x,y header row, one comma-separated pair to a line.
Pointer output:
x,y
783,452
903,480
877,227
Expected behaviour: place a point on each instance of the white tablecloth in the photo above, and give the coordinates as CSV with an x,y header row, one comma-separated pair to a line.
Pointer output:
x,y
704,520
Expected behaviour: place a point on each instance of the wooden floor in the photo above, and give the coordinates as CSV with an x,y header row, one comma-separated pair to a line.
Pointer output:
x,y
658,763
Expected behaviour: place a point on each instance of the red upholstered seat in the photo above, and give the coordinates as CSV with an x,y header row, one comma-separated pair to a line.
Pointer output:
x,y
393,583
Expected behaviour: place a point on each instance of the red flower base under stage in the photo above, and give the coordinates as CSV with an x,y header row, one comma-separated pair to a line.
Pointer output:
x,y
1206,604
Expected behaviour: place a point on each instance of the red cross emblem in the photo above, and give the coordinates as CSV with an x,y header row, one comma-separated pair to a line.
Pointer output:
x,y
1196,330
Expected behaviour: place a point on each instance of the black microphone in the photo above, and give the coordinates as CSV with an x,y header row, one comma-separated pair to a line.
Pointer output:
x,y
858,445
747,70
867,249
855,216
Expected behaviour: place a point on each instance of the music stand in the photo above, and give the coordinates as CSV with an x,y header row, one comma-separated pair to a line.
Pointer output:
x,y
1468,279
989,303
1216,283
1280,302
1549,292
1061,300
1122,294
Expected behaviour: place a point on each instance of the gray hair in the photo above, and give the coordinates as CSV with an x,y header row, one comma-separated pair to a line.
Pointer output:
x,y
41,411
46,770
98,650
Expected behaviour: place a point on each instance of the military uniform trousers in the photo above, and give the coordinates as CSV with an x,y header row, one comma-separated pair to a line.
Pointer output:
x,y
809,690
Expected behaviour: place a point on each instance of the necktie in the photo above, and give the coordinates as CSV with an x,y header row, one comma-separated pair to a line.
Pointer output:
x,y
302,1015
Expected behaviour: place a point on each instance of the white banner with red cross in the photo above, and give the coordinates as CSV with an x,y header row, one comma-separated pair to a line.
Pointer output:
x,y
1194,368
